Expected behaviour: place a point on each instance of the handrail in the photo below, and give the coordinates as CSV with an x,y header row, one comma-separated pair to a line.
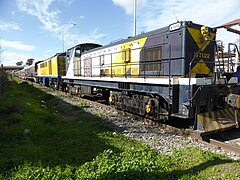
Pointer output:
x,y
169,75
219,50
229,53
112,64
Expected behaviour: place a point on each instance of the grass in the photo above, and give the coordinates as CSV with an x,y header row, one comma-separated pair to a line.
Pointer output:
x,y
37,143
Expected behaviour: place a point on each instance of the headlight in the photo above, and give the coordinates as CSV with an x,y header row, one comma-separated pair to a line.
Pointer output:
x,y
204,32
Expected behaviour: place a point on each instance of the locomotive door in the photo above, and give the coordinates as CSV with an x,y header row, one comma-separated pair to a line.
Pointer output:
x,y
50,67
77,62
88,67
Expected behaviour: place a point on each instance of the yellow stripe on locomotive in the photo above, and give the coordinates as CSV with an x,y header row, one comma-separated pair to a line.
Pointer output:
x,y
125,60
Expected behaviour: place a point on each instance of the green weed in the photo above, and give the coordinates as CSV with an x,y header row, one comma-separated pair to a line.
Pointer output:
x,y
82,105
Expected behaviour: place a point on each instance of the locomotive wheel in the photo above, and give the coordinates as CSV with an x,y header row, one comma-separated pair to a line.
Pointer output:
x,y
164,111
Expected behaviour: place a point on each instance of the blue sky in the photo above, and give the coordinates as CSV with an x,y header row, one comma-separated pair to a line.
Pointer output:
x,y
34,28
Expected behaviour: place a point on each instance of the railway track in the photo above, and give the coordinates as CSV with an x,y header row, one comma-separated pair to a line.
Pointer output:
x,y
208,140
228,141
221,145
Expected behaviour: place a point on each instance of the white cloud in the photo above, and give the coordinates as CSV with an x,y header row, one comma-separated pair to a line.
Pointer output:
x,y
50,20
5,26
68,2
127,5
41,9
11,58
162,12
81,17
16,45
92,37
156,14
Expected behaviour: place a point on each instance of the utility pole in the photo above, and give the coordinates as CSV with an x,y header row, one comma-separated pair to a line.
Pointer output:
x,y
135,14
63,33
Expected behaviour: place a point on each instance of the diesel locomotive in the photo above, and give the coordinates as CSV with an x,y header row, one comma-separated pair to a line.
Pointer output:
x,y
167,73
50,71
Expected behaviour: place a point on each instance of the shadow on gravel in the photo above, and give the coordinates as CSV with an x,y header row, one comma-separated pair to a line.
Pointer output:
x,y
227,135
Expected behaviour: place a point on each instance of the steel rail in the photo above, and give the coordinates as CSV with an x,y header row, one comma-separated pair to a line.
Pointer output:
x,y
219,144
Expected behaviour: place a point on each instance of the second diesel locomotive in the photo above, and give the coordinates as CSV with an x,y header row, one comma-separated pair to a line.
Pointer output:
x,y
50,71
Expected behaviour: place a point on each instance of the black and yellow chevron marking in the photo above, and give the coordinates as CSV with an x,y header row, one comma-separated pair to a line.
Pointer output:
x,y
198,38
201,67
217,120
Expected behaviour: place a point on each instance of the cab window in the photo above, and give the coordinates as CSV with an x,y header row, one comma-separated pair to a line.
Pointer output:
x,y
77,52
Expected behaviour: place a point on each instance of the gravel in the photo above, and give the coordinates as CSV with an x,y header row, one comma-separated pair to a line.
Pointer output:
x,y
153,136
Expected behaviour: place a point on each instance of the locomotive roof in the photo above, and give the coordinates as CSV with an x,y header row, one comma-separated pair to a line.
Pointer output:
x,y
130,38
83,44
57,54
147,34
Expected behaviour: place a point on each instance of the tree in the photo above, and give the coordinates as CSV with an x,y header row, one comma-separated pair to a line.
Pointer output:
x,y
19,63
29,61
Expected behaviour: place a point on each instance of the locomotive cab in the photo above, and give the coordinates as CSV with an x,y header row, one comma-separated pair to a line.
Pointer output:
x,y
74,65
